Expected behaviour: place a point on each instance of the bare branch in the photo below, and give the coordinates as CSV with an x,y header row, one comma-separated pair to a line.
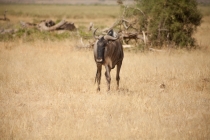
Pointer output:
x,y
144,37
140,10
5,16
126,27
27,24
156,50
91,26
128,46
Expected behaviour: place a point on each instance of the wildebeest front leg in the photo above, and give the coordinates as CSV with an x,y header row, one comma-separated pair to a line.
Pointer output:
x,y
108,77
118,74
98,76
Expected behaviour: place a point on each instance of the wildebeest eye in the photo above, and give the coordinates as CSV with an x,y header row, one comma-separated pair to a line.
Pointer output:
x,y
101,43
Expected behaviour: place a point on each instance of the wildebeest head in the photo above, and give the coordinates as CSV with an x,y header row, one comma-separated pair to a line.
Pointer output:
x,y
101,44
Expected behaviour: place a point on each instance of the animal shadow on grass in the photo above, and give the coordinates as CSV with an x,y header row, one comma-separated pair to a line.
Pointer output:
x,y
125,91
120,91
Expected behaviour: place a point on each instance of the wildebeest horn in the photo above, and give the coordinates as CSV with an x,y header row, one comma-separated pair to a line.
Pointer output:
x,y
108,37
96,37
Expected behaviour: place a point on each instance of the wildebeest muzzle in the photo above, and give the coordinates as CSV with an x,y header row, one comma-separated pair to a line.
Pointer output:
x,y
101,44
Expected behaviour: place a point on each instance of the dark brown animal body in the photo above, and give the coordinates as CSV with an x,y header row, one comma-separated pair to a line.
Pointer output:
x,y
113,56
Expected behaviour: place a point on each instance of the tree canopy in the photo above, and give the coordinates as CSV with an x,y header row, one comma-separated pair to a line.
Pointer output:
x,y
169,21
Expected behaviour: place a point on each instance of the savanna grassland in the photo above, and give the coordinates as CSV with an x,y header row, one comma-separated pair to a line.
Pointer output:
x,y
47,88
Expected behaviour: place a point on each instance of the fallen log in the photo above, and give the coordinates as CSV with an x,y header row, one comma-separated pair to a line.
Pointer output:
x,y
156,50
67,26
27,24
127,46
127,36
49,23
8,31
62,25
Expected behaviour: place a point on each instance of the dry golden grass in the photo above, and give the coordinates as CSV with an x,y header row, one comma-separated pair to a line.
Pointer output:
x,y
47,91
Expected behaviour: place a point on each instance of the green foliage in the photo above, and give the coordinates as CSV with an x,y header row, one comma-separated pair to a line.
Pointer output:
x,y
33,34
84,33
170,21
6,37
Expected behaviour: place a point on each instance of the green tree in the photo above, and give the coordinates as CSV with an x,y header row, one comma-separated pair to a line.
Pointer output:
x,y
171,21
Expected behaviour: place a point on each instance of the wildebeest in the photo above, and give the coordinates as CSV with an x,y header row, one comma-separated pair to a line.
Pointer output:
x,y
108,51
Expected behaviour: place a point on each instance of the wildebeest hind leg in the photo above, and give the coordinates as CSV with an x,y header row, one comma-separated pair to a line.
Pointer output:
x,y
118,74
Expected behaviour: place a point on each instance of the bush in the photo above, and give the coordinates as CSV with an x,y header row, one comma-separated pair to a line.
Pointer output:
x,y
170,21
